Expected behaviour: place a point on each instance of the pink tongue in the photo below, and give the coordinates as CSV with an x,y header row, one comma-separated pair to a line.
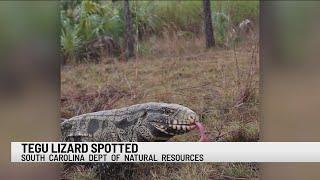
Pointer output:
x,y
203,137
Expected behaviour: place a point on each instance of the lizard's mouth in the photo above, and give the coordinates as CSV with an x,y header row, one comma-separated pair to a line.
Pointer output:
x,y
173,129
185,127
175,126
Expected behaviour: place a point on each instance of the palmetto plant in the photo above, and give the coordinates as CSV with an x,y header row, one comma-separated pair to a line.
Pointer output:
x,y
69,39
221,23
90,18
112,23
144,19
80,24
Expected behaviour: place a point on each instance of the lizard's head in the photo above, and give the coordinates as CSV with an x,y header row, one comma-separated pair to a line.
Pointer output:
x,y
168,120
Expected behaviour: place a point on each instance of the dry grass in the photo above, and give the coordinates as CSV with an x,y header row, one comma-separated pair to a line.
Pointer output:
x,y
173,171
220,85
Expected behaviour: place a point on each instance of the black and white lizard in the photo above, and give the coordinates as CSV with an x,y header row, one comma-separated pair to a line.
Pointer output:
x,y
147,122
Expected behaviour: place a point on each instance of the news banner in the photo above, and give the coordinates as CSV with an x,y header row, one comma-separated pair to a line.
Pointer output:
x,y
165,152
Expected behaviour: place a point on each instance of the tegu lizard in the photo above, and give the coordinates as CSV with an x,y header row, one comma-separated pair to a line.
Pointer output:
x,y
142,122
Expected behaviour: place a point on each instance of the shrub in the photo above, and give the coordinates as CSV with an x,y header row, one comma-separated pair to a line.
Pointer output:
x,y
221,23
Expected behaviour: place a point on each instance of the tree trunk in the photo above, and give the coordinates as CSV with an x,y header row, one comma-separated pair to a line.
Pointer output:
x,y
208,29
128,37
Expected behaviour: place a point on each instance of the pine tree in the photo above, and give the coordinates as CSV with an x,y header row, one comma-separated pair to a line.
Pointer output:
x,y
129,40
210,42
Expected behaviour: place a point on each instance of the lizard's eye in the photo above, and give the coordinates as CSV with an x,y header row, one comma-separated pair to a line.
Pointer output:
x,y
192,118
168,111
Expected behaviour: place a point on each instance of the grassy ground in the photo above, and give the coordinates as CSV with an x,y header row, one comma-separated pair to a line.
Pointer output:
x,y
221,85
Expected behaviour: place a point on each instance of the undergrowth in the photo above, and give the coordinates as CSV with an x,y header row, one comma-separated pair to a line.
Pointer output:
x,y
82,21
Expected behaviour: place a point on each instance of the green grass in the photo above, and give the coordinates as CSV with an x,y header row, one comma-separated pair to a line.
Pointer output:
x,y
238,10
240,170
